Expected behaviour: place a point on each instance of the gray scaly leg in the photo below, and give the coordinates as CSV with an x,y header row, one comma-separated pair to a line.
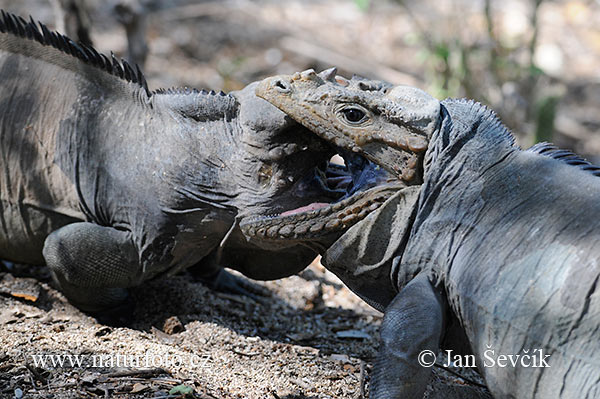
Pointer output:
x,y
92,264
413,322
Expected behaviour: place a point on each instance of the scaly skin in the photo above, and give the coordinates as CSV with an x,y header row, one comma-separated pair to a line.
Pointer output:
x,y
111,184
494,255
394,127
320,102
319,224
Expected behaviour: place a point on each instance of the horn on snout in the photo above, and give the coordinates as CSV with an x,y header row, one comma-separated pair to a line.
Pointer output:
x,y
328,75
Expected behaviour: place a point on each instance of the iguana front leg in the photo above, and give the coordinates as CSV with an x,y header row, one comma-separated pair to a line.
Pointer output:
x,y
413,323
92,264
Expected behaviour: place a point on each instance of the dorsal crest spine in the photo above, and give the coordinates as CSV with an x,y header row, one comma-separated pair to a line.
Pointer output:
x,y
485,113
18,26
566,156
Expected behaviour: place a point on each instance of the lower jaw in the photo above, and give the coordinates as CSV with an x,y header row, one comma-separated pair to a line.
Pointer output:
x,y
319,220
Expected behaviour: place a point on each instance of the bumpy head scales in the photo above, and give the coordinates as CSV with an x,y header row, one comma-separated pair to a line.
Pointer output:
x,y
391,126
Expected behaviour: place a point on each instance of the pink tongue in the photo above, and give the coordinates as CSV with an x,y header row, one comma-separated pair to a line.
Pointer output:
x,y
311,207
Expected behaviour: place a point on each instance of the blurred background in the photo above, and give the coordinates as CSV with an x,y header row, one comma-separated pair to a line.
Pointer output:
x,y
535,62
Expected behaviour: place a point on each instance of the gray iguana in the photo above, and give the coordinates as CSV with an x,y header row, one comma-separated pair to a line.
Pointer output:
x,y
110,184
494,250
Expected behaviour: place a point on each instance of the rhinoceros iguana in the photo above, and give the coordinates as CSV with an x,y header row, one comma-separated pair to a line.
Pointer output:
x,y
111,184
496,253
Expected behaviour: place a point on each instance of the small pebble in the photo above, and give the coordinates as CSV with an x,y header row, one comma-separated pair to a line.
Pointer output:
x,y
172,325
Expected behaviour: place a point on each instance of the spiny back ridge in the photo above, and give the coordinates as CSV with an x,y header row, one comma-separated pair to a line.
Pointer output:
x,y
18,26
552,151
486,113
187,90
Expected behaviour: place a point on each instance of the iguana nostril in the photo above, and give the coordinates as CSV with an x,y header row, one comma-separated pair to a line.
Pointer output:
x,y
282,86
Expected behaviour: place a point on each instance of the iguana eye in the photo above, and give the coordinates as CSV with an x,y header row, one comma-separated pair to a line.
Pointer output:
x,y
353,115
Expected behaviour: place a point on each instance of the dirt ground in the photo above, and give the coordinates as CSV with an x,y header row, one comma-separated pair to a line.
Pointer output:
x,y
309,336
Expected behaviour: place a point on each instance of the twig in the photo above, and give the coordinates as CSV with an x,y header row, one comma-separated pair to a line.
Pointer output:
x,y
363,380
166,381
137,373
250,354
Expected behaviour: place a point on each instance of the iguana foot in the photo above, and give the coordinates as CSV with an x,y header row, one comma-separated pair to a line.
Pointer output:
x,y
92,265
223,281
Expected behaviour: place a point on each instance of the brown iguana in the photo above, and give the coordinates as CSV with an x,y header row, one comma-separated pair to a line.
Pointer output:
x,y
495,255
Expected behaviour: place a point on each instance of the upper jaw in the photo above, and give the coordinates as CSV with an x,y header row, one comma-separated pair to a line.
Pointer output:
x,y
407,116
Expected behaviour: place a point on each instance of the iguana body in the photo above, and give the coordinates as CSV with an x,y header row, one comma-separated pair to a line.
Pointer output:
x,y
498,250
110,184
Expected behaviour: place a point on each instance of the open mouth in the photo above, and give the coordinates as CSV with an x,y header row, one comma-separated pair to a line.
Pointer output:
x,y
355,189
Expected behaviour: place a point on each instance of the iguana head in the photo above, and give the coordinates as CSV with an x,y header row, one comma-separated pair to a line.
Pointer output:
x,y
388,125
361,120
364,120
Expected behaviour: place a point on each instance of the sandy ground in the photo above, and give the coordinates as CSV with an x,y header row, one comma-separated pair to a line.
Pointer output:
x,y
309,337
